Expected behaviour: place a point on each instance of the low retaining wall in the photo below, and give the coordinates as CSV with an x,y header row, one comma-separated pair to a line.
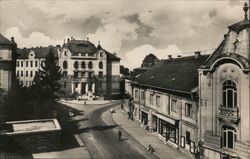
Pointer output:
x,y
36,140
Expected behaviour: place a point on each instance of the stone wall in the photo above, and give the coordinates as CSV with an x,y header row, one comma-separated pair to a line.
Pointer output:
x,y
38,141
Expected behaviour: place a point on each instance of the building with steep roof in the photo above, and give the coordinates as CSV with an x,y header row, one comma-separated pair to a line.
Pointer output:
x,y
224,115
165,100
88,70
7,68
29,61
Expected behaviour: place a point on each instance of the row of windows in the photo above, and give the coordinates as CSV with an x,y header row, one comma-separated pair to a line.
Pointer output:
x,y
28,63
83,54
188,106
84,74
82,64
27,73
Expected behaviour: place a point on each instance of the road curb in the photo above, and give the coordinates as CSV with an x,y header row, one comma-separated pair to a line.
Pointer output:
x,y
133,139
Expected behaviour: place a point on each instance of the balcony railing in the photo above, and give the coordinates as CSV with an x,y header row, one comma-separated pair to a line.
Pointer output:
x,y
229,113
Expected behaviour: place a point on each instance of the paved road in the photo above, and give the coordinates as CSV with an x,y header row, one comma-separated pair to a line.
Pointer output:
x,y
100,137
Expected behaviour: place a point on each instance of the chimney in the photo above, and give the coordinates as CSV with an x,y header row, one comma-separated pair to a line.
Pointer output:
x,y
197,54
58,46
12,39
71,37
87,38
178,55
169,56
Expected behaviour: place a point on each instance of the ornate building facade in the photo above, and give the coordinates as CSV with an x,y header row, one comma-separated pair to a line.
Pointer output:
x,y
89,70
224,82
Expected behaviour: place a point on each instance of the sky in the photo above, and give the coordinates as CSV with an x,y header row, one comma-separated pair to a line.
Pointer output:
x,y
130,28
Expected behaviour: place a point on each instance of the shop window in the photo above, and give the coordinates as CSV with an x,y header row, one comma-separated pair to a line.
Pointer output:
x,y
173,105
100,65
229,94
228,137
65,64
158,100
151,99
188,137
188,110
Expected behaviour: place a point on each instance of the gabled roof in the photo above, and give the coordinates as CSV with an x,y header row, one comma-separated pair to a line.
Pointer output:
x,y
180,74
110,56
4,40
80,46
40,52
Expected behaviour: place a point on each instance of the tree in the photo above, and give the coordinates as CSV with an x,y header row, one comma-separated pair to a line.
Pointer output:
x,y
45,83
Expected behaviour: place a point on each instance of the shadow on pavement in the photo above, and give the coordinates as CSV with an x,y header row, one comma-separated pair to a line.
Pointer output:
x,y
98,128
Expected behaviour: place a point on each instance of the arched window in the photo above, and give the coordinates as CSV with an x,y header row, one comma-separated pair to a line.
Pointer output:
x,y
76,65
65,64
100,65
90,64
229,94
83,65
228,137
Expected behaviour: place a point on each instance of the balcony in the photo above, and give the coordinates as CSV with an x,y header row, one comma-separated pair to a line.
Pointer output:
x,y
229,114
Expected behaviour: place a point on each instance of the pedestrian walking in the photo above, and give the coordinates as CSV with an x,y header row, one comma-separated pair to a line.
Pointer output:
x,y
119,133
122,107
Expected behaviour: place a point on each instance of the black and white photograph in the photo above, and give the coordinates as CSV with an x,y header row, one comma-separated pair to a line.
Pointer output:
x,y
125,79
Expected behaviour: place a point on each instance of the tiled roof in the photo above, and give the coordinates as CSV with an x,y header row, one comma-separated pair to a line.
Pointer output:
x,y
237,27
110,56
4,40
180,74
81,46
40,52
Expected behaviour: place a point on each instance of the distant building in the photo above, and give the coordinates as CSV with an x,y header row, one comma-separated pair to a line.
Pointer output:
x,y
7,68
29,61
89,70
149,60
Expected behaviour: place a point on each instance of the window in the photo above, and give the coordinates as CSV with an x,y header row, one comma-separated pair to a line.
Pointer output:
x,y
21,73
100,65
17,63
35,63
188,137
83,65
142,95
229,94
64,84
31,63
151,98
188,110
21,63
27,73
27,63
90,74
173,105
75,74
100,74
17,74
65,73
65,64
31,74
90,64
228,137
76,65
158,101
136,94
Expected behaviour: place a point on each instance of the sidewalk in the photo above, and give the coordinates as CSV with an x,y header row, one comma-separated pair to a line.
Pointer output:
x,y
145,138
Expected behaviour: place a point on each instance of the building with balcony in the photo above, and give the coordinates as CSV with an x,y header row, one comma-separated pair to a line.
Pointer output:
x,y
30,60
166,100
7,68
89,70
224,114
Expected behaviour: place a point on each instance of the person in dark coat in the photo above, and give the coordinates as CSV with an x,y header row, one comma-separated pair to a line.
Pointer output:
x,y
119,133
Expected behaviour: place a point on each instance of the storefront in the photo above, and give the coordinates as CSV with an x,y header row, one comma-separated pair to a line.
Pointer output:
x,y
154,123
144,118
168,128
